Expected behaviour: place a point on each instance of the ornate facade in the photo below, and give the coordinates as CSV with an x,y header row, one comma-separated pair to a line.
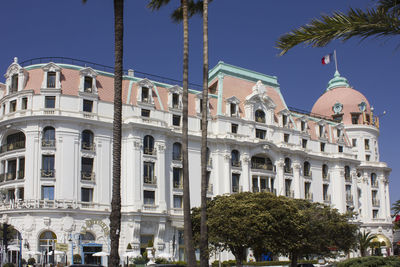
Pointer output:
x,y
56,146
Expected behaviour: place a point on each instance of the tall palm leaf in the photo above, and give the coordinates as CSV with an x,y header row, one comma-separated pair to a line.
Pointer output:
x,y
381,22
115,216
396,208
364,242
188,235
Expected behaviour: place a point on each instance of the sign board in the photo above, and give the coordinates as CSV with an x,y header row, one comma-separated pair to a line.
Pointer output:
x,y
62,247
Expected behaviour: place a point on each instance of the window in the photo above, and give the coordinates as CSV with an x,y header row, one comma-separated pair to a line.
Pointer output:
x,y
86,194
149,198
88,84
322,147
324,171
87,140
235,183
233,110
354,142
87,105
49,137
21,171
87,169
145,113
51,79
306,168
321,131
286,138
48,192
340,149
4,109
374,181
14,83
366,144
288,166
50,102
284,120
48,166
288,185
307,191
13,106
325,195
177,178
260,134
176,120
176,151
234,128
175,100
260,116
201,105
148,173
235,158
46,241
24,104
11,170
304,143
354,118
178,203
145,95
367,157
337,117
264,163
148,145
338,132
303,126
375,214
347,172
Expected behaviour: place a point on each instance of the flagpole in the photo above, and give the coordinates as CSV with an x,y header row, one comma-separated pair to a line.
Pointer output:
x,y
334,53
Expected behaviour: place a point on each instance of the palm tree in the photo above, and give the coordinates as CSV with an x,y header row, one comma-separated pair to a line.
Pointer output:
x,y
381,21
396,214
188,235
364,242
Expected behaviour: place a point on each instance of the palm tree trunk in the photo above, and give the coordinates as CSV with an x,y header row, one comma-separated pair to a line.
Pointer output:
x,y
204,183
115,216
293,259
187,231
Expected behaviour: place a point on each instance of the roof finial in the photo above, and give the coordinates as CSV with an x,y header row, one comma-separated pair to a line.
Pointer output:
x,y
15,60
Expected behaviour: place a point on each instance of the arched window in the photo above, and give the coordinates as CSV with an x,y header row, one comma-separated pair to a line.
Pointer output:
x,y
260,116
47,240
177,151
374,181
262,162
235,158
148,145
325,171
49,137
307,168
87,238
13,142
346,172
288,166
87,140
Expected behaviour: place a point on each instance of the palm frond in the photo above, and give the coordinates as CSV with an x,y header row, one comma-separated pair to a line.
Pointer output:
x,y
356,23
396,208
157,4
194,8
391,6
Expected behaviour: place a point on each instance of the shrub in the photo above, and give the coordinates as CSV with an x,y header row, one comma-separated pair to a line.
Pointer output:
x,y
9,264
140,260
77,258
23,261
31,261
371,261
161,261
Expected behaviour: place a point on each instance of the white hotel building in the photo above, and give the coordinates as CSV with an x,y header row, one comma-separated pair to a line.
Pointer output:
x,y
56,153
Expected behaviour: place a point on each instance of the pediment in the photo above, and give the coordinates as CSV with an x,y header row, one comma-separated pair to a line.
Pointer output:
x,y
88,71
176,89
284,112
12,69
257,98
146,83
51,67
233,99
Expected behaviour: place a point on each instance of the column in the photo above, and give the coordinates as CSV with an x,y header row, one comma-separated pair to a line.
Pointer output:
x,y
246,172
137,173
297,184
280,180
161,186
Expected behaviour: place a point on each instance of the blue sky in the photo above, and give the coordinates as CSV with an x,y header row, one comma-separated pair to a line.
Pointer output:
x,y
241,33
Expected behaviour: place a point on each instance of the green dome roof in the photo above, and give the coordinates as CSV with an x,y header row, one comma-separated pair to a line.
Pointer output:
x,y
337,81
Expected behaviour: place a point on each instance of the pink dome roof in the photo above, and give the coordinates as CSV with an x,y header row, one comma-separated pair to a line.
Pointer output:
x,y
346,99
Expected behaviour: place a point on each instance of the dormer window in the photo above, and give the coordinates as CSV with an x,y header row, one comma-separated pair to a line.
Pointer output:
x,y
51,79
145,94
232,106
260,116
14,84
88,81
199,104
321,131
175,97
284,120
175,100
355,118
233,109
88,85
303,126
338,132
87,105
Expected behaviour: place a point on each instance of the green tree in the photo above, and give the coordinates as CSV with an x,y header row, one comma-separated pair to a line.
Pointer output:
x,y
396,214
182,14
7,234
382,21
364,241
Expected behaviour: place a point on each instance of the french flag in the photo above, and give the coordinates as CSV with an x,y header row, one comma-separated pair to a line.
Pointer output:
x,y
327,59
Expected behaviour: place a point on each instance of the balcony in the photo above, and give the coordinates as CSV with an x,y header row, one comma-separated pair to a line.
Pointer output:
x,y
88,146
349,199
326,177
237,189
150,180
47,173
288,170
237,163
347,178
11,176
374,184
149,151
177,157
327,199
178,185
88,176
289,193
255,189
262,166
308,175
375,203
48,143
309,196
12,146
